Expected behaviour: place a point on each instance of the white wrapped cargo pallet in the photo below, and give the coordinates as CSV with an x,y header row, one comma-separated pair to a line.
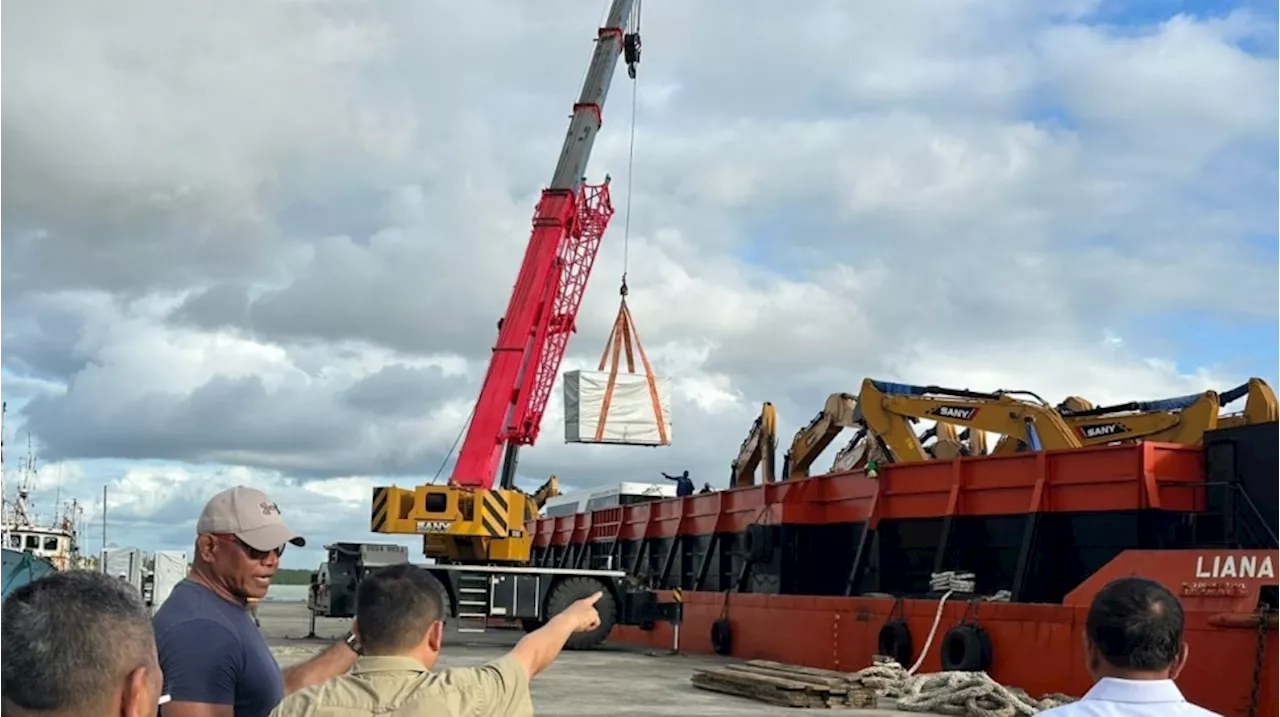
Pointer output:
x,y
169,569
631,419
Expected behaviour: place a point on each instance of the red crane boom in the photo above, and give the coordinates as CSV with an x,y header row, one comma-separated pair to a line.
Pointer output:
x,y
568,225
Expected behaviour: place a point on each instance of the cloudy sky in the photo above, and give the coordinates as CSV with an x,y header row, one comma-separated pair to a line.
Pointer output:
x,y
267,243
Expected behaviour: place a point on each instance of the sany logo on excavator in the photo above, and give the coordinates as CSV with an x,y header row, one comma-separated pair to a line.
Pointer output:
x,y
1102,429
955,413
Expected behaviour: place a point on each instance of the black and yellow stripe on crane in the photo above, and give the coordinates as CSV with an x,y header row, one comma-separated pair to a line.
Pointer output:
x,y
378,518
493,514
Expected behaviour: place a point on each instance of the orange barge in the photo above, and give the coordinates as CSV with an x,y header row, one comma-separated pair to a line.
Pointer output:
x,y
829,570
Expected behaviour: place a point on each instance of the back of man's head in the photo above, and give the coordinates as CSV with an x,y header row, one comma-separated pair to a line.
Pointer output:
x,y
72,642
396,607
1135,625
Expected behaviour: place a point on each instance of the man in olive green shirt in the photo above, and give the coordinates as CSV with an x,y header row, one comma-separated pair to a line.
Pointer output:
x,y
399,624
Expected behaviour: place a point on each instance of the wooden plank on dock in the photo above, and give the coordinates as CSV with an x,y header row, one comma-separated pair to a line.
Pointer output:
x,y
785,685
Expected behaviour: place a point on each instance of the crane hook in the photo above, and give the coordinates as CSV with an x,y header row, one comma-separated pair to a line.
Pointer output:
x,y
631,52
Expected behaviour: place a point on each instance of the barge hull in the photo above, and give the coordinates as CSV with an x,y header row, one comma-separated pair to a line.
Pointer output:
x,y
1037,647
810,571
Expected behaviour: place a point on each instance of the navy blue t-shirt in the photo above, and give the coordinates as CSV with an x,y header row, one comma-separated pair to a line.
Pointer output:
x,y
210,651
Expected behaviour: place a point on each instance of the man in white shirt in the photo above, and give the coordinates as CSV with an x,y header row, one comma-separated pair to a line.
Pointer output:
x,y
1134,650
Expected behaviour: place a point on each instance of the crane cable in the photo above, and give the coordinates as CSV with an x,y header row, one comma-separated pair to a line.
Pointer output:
x,y
631,48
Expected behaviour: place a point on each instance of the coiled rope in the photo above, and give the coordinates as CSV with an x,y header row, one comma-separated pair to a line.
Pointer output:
x,y
961,694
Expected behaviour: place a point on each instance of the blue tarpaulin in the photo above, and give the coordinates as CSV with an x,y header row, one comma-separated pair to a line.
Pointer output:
x,y
20,569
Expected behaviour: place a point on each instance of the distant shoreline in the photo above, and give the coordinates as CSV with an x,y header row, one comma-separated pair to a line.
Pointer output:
x,y
287,593
292,577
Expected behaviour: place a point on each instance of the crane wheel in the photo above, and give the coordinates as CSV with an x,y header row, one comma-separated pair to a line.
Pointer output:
x,y
570,590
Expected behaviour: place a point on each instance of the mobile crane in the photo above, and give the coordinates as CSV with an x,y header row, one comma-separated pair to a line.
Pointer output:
x,y
473,528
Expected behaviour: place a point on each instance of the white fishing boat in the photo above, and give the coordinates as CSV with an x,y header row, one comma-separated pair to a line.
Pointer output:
x,y
56,541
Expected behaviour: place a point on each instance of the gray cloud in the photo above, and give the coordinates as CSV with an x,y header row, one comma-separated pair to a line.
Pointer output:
x,y
398,390
280,236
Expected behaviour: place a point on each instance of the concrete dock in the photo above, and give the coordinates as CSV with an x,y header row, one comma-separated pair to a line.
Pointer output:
x,y
617,681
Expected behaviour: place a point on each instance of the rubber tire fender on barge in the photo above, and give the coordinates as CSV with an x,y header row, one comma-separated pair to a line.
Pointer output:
x,y
722,636
966,647
895,641
569,591
758,542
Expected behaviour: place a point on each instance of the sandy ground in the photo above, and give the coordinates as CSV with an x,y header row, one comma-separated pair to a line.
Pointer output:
x,y
617,681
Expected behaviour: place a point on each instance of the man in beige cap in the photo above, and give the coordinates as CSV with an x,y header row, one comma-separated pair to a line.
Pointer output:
x,y
215,660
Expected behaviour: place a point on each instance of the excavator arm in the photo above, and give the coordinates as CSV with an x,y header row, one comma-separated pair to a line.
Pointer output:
x,y
810,441
535,500
852,455
545,492
887,409
1183,420
1259,405
757,451
949,444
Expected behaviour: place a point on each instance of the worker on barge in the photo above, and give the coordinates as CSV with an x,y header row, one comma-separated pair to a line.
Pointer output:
x,y
684,484
1134,650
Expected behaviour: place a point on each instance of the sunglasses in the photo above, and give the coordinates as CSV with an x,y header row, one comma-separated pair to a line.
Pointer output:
x,y
252,552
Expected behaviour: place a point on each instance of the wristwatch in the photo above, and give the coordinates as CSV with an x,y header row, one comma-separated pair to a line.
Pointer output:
x,y
353,641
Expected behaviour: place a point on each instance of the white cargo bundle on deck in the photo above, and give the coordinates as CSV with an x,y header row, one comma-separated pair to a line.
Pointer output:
x,y
633,409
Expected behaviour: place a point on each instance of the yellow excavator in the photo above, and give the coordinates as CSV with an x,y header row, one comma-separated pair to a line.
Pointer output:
x,y
886,410
810,441
1182,420
757,451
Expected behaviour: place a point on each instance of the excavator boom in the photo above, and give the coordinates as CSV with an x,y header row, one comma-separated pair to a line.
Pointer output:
x,y
757,451
810,441
1181,420
887,409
